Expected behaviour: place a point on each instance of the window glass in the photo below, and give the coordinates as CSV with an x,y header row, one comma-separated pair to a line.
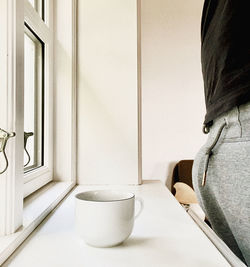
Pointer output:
x,y
33,101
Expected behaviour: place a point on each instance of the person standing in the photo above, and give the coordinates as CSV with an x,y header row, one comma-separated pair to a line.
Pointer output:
x,y
221,170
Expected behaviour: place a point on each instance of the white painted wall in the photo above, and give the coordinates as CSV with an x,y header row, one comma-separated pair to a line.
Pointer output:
x,y
107,135
172,89
64,90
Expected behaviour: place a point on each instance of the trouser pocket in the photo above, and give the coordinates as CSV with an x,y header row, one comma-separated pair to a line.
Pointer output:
x,y
201,162
197,173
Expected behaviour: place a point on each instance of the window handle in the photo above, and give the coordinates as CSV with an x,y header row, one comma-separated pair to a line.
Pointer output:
x,y
26,136
4,137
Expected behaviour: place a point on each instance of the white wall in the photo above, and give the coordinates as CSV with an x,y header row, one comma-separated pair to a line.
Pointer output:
x,y
107,135
172,89
64,91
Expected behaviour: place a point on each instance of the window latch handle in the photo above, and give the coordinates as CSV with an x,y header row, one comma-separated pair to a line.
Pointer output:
x,y
4,137
26,136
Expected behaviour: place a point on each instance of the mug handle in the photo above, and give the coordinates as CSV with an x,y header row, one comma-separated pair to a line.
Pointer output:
x,y
140,200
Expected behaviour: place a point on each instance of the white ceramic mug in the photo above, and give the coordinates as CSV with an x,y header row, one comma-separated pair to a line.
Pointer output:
x,y
105,218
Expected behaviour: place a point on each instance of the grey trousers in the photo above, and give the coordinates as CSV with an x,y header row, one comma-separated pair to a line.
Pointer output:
x,y
225,196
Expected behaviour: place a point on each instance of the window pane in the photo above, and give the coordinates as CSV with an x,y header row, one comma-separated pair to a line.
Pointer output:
x,y
39,6
33,102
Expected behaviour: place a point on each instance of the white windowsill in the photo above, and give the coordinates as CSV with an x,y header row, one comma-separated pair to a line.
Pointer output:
x,y
164,235
219,244
36,207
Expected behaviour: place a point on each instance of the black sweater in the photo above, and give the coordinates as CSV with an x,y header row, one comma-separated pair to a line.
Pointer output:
x,y
225,55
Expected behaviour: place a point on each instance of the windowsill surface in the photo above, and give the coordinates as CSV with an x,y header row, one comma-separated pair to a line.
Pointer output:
x,y
164,235
36,207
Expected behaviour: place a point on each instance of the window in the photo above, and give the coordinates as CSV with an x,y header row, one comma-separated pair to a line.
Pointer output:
x,y
33,101
26,108
38,113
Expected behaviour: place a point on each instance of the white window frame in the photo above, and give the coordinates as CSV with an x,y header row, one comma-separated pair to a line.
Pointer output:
x,y
11,110
40,176
19,216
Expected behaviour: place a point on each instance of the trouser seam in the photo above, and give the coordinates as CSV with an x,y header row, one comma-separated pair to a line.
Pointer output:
x,y
239,121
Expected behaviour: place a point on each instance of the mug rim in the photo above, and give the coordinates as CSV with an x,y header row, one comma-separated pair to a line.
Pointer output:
x,y
132,195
